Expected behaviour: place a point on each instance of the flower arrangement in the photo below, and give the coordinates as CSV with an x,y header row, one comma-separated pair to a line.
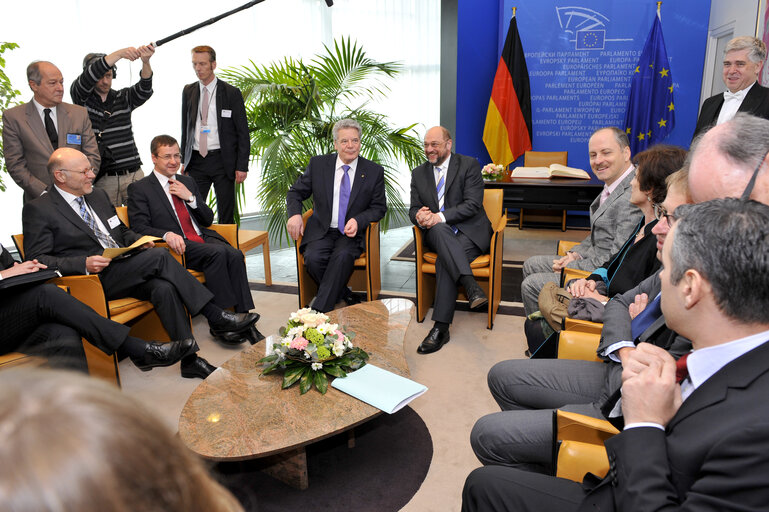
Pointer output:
x,y
492,171
311,349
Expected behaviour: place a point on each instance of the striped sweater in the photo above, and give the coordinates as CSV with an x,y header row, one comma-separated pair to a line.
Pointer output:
x,y
111,119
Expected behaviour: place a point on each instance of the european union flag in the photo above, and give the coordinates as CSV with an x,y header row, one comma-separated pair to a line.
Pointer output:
x,y
650,114
590,39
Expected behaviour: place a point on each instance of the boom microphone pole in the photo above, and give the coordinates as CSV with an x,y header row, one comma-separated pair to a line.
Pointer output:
x,y
213,20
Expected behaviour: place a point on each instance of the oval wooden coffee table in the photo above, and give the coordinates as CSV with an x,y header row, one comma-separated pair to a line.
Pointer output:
x,y
237,413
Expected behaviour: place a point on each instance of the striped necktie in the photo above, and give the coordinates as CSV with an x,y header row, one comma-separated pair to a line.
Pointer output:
x,y
440,187
104,238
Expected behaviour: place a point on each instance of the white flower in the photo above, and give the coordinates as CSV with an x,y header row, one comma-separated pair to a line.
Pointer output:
x,y
286,341
338,348
294,332
327,328
316,366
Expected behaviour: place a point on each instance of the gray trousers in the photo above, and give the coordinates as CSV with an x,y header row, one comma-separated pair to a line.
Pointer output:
x,y
116,187
538,270
528,391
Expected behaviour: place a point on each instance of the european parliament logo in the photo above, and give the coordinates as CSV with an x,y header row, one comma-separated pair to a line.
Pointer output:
x,y
591,39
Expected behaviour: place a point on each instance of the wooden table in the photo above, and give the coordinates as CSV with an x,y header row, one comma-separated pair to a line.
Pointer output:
x,y
551,194
238,414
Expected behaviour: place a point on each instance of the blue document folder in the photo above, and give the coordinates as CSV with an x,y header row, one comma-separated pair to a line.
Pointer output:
x,y
383,389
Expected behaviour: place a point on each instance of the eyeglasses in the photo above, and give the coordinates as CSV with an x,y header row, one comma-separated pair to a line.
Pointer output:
x,y
752,183
83,172
661,213
175,156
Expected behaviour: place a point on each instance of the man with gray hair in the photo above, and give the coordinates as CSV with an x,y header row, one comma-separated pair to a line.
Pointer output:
x,y
693,438
723,160
31,132
348,193
743,58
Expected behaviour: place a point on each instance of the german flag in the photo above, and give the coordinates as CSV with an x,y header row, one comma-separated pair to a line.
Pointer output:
x,y
507,133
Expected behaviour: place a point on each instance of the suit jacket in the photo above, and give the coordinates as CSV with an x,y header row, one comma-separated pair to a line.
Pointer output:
x,y
151,213
234,139
6,260
27,147
367,197
611,223
462,200
712,455
756,102
59,237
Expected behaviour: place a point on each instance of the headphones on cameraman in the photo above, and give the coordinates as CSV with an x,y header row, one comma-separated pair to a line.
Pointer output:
x,y
93,57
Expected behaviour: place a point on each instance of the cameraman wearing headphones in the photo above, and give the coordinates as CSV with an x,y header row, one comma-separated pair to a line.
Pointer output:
x,y
110,114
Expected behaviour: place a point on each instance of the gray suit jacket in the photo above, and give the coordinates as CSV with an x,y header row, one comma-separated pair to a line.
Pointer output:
x,y
610,225
27,148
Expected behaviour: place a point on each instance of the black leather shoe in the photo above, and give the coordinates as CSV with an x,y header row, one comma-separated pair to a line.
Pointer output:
x,y
351,299
254,336
164,354
433,342
232,322
230,338
197,368
476,298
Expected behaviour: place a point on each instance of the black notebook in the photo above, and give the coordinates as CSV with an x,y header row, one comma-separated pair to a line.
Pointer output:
x,y
31,278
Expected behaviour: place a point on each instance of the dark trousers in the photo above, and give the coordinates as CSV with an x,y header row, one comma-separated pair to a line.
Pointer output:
x,y
154,275
455,252
330,261
45,320
500,488
208,170
225,271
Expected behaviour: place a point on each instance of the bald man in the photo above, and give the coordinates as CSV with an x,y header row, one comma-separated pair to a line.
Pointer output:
x,y
32,131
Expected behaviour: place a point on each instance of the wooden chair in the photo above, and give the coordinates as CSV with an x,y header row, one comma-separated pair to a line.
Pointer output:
x,y
578,446
366,271
544,159
487,268
582,346
241,239
141,314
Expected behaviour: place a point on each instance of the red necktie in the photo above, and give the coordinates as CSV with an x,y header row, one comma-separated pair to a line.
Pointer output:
x,y
681,370
185,220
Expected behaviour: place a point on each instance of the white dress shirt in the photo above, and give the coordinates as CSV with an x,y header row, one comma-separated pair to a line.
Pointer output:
x,y
193,203
212,139
337,183
71,200
732,102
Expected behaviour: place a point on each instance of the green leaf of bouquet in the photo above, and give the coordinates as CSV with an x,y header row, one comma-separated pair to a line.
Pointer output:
x,y
305,383
321,381
292,375
335,370
268,359
270,368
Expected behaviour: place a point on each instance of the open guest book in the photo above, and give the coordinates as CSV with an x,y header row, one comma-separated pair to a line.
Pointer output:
x,y
382,389
554,171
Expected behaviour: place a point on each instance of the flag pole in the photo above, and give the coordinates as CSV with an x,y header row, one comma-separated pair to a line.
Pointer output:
x,y
514,9
659,4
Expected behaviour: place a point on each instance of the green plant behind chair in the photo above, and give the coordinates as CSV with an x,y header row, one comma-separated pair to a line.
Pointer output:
x,y
292,106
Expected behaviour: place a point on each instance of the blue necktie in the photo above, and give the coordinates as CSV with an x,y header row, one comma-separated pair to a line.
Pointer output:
x,y
104,238
646,317
344,198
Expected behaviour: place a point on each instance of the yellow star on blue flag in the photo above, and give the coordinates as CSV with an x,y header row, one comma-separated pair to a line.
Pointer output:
x,y
650,111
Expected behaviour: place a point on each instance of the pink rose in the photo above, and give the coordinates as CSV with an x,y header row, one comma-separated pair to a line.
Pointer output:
x,y
299,343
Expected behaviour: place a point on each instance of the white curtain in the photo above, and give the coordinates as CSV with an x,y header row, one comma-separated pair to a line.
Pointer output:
x,y
64,31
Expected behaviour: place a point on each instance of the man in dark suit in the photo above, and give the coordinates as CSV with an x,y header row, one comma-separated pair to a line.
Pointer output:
x,y
743,58
31,132
63,229
348,193
694,437
171,207
447,203
42,319
215,136
529,390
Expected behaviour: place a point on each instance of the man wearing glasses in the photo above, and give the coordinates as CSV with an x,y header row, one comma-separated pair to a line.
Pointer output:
x,y
447,203
170,206
70,227
32,131
348,193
